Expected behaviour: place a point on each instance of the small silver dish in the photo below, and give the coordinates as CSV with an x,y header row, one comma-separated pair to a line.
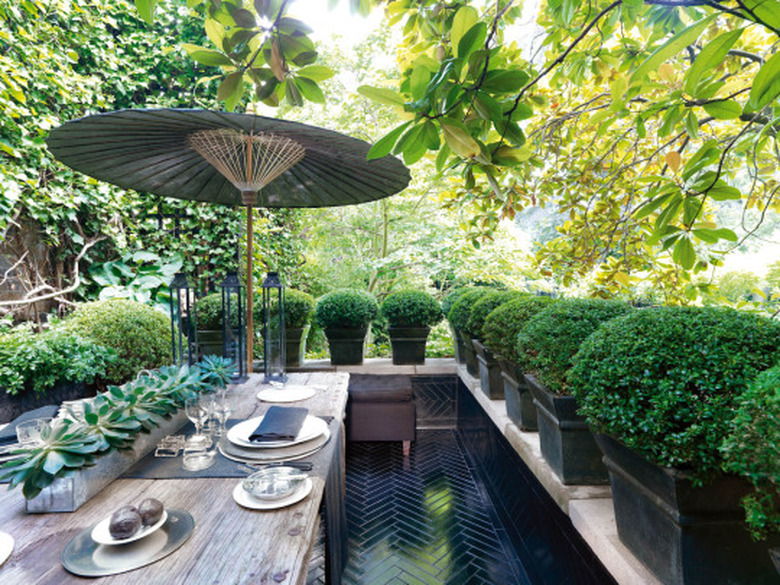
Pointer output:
x,y
274,483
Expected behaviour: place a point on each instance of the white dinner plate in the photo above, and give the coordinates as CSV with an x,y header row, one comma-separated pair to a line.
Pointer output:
x,y
246,500
6,546
312,427
101,535
245,455
288,393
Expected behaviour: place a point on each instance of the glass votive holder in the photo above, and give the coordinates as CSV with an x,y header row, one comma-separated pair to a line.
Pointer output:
x,y
28,432
199,453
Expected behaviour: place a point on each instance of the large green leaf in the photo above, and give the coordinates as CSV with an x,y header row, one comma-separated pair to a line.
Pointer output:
x,y
766,11
465,18
384,145
670,48
207,57
459,140
315,72
418,81
724,110
381,95
231,88
708,59
766,85
310,90
472,40
146,9
684,253
504,80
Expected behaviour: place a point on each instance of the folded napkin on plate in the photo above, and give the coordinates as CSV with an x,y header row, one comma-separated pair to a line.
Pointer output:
x,y
280,423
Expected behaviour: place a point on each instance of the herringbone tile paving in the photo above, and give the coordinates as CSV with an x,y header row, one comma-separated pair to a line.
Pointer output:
x,y
421,520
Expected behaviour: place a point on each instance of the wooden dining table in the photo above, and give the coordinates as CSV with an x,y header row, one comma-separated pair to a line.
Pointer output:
x,y
229,544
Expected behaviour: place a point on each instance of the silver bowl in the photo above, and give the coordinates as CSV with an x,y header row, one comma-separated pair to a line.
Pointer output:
x,y
274,483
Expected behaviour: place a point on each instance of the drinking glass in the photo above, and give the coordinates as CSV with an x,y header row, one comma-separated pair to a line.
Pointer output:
x,y
207,403
28,433
197,453
222,411
196,413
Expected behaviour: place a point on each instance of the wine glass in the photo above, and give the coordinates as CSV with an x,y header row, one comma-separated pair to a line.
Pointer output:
x,y
222,411
207,403
196,413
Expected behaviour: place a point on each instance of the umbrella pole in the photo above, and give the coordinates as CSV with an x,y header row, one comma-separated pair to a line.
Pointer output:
x,y
250,335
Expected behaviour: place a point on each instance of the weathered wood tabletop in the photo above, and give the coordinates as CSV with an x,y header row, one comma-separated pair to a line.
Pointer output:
x,y
229,545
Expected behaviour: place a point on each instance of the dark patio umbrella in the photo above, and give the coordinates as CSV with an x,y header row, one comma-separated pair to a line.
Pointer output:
x,y
232,159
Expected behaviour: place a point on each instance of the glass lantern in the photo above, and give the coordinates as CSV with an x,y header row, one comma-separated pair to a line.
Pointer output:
x,y
273,329
234,325
183,325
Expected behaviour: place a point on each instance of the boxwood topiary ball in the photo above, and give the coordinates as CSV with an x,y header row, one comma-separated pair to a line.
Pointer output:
x,y
346,308
411,308
504,323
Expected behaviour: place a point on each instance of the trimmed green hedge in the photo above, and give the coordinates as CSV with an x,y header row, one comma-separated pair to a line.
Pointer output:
x,y
209,312
666,381
551,338
451,297
346,308
411,308
140,335
461,310
484,306
504,323
40,361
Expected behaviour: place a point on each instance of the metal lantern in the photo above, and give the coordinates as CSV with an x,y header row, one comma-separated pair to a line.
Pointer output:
x,y
273,329
183,326
234,324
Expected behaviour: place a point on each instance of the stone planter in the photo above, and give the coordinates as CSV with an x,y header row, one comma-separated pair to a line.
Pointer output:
x,y
489,372
295,345
684,534
13,405
67,494
472,367
565,438
346,345
210,342
457,345
520,405
408,344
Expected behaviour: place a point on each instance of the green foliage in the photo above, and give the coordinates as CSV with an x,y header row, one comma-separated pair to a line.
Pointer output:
x,y
209,312
39,362
461,310
484,306
550,339
110,421
411,308
503,324
139,335
298,308
346,308
451,298
666,381
752,450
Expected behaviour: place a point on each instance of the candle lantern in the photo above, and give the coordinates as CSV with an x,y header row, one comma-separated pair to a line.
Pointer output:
x,y
273,329
234,325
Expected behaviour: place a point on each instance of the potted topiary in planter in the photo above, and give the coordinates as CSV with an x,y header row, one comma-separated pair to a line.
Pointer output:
x,y
298,314
345,315
410,315
459,317
501,329
208,310
446,305
487,364
662,386
545,348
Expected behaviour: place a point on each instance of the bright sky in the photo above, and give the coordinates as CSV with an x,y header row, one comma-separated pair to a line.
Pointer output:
x,y
337,22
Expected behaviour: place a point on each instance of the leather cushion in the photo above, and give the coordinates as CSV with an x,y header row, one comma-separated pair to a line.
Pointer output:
x,y
370,388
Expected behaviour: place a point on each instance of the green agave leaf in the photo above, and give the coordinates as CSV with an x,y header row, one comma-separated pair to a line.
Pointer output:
x,y
670,48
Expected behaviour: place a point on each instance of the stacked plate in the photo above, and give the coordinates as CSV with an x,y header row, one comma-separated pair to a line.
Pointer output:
x,y
311,438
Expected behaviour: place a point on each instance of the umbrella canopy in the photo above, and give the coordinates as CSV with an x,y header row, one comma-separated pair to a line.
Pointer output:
x,y
227,158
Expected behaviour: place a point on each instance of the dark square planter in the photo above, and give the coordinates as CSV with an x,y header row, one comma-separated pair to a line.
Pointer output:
x,y
489,372
565,438
295,345
346,345
684,534
408,344
520,405
457,345
471,356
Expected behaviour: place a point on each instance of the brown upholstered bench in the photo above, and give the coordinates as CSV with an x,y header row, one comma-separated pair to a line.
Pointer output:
x,y
381,408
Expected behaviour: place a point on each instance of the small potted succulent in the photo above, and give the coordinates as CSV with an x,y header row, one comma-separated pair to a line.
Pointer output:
x,y
501,329
458,317
345,316
545,347
489,369
671,392
410,315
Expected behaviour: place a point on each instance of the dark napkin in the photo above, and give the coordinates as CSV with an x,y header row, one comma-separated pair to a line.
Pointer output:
x,y
8,433
280,423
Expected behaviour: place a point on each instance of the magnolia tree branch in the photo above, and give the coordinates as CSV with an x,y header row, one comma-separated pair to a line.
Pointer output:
x,y
56,293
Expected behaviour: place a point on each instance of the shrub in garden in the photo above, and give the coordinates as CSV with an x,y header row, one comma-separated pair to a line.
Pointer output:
x,y
484,306
666,381
504,323
140,335
461,311
209,312
346,308
753,451
451,297
551,338
40,361
411,308
298,308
